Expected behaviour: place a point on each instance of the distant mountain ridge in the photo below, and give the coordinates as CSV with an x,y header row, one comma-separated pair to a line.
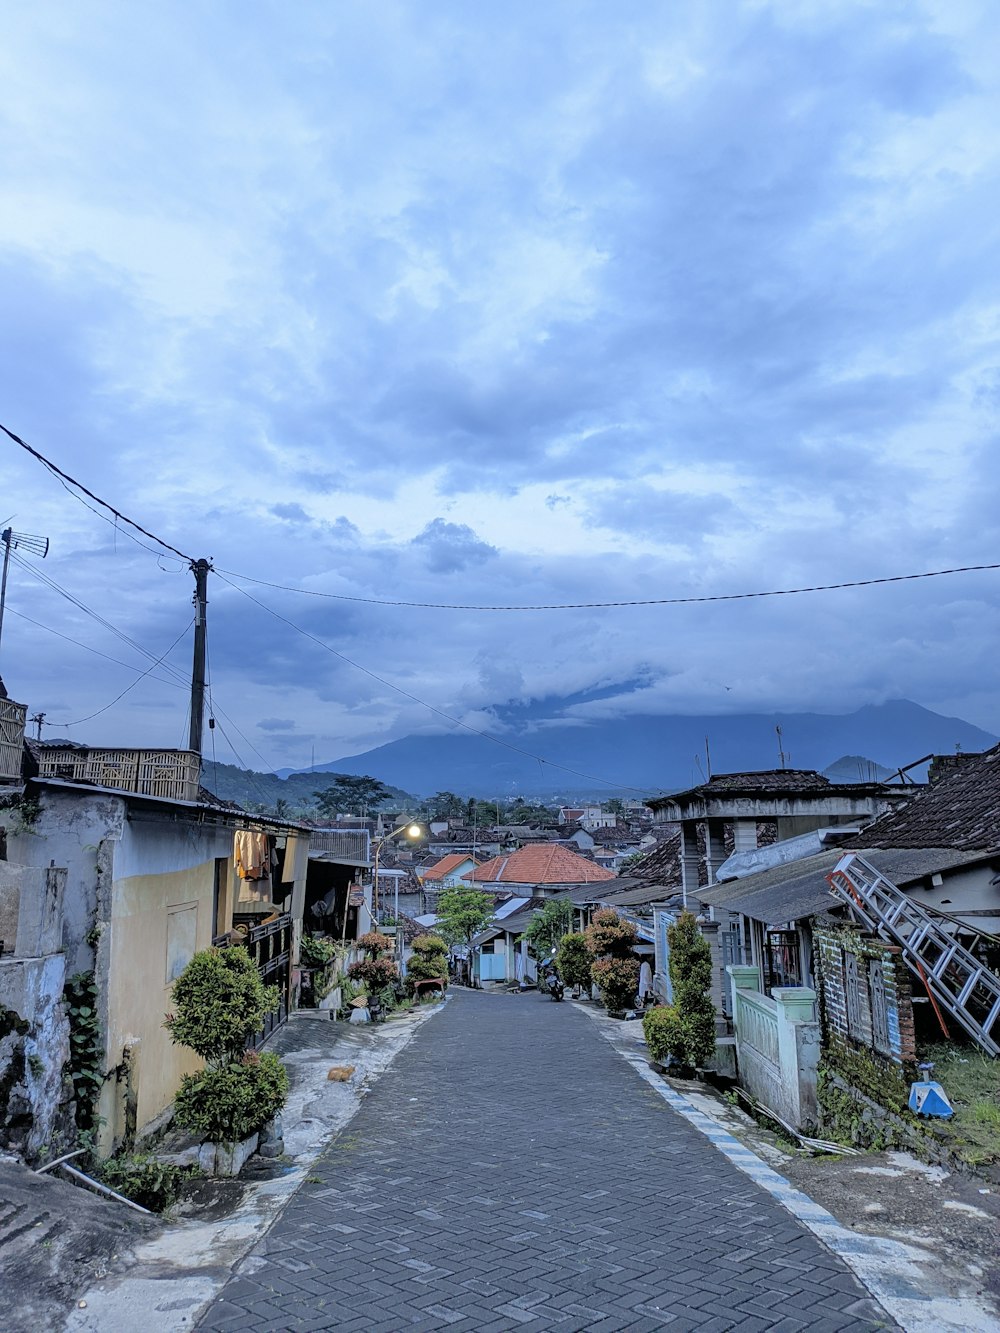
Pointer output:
x,y
654,753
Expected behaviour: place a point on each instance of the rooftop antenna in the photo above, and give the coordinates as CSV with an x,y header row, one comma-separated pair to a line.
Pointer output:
x,y
22,541
781,753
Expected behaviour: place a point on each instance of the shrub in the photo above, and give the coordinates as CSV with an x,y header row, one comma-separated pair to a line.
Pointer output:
x,y
316,951
608,935
233,1101
664,1033
617,979
375,973
691,977
573,961
220,1003
375,943
429,960
150,1183
610,941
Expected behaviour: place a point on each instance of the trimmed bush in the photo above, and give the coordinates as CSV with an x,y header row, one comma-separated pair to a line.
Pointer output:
x,y
232,1102
691,977
220,1003
615,971
375,943
429,961
374,973
664,1033
617,979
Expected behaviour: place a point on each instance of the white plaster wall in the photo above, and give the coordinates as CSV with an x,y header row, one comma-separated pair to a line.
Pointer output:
x,y
965,891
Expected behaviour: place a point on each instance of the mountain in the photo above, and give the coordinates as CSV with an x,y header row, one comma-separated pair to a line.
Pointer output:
x,y
262,790
856,768
656,753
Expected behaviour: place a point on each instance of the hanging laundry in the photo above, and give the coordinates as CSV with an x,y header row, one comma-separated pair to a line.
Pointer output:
x,y
251,855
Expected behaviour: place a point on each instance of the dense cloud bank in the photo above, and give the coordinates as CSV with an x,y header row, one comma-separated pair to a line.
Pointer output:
x,y
502,305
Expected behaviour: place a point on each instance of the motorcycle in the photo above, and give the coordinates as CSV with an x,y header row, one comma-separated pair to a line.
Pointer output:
x,y
553,985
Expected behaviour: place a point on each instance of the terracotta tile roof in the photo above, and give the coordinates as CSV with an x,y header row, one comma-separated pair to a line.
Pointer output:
x,y
960,810
539,864
446,865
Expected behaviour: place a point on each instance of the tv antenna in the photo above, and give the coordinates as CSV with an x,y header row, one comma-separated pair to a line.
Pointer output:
x,y
18,541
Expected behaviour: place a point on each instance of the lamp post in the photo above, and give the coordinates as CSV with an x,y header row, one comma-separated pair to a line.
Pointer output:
x,y
411,831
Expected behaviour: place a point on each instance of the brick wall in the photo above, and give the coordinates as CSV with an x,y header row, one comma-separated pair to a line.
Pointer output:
x,y
864,988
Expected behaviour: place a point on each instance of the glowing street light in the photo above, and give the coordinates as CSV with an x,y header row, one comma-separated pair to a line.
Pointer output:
x,y
410,830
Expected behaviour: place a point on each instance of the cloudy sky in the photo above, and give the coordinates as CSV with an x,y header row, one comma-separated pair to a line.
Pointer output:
x,y
499,303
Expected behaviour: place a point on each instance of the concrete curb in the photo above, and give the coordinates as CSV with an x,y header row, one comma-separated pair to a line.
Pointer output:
x,y
891,1271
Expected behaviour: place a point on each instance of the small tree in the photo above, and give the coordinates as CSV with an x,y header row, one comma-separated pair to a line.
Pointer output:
x,y
573,961
685,1029
350,794
375,970
610,941
549,925
429,961
461,915
220,1004
691,977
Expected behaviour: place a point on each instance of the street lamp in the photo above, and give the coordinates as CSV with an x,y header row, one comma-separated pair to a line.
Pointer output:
x,y
409,830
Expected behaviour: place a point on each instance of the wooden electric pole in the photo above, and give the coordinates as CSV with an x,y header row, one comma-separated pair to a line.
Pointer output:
x,y
200,570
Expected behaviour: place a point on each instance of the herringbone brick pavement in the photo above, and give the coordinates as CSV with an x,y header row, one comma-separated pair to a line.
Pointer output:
x,y
510,1172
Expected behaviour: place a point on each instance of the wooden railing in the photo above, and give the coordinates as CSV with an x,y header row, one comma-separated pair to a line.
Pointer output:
x,y
12,717
172,775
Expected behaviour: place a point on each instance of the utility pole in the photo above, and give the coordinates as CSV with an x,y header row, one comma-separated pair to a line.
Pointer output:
x,y
38,719
199,569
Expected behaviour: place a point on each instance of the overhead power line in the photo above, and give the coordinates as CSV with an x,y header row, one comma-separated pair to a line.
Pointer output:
x,y
131,686
164,680
65,478
439,712
602,606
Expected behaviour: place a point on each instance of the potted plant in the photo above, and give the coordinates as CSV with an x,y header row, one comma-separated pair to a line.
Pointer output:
x,y
220,1004
429,963
376,972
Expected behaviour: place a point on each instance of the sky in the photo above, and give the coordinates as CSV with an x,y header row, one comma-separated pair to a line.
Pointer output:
x,y
498,304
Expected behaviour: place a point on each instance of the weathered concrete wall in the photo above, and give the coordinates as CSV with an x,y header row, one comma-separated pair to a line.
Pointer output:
x,y
67,832
35,1101
31,901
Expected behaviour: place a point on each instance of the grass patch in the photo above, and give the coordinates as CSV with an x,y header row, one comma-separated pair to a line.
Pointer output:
x,y
972,1082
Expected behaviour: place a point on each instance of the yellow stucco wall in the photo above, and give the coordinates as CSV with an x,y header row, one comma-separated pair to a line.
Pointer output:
x,y
139,990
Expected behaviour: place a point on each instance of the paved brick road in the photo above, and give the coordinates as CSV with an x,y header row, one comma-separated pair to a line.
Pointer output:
x,y
510,1171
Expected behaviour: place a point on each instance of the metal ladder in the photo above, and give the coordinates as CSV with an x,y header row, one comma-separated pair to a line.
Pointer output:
x,y
969,991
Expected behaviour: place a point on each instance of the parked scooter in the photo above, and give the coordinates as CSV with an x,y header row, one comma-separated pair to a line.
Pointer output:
x,y
552,984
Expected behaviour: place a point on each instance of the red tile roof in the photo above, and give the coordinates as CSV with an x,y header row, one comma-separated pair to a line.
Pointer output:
x,y
446,865
539,864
